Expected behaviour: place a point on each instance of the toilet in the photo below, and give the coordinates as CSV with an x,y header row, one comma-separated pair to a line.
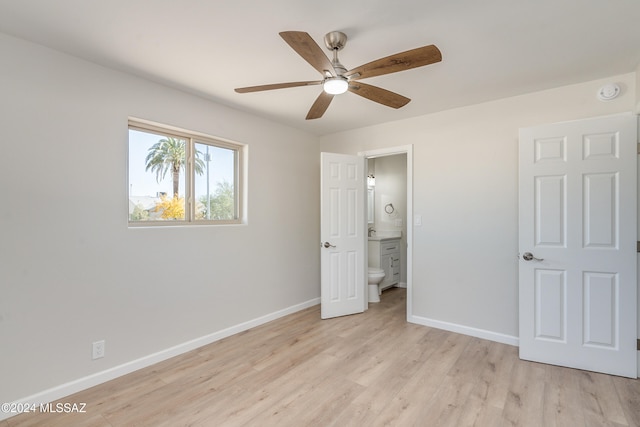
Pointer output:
x,y
375,277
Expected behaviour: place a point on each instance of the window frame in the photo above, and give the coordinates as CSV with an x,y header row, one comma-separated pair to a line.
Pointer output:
x,y
191,139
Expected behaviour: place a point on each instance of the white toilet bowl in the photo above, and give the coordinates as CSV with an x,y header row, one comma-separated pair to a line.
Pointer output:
x,y
375,277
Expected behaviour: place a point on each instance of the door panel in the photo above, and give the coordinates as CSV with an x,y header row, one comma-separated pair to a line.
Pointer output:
x,y
343,228
550,309
600,217
578,291
601,293
550,211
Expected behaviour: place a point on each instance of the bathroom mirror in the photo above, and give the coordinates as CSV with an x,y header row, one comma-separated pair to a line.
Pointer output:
x,y
370,196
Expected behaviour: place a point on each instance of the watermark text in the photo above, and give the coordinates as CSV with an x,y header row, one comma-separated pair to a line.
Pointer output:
x,y
54,408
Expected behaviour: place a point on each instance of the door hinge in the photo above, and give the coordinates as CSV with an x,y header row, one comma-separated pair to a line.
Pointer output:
x,y
638,345
638,247
639,148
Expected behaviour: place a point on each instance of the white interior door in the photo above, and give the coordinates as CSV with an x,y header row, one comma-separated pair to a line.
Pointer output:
x,y
343,231
577,244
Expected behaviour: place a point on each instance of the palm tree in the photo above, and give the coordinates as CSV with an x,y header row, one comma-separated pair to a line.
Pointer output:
x,y
168,154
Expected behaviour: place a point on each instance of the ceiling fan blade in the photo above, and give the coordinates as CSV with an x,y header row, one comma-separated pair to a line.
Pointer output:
x,y
399,62
379,95
304,45
319,106
276,86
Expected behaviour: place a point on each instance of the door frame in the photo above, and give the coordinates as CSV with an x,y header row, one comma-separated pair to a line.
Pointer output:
x,y
392,151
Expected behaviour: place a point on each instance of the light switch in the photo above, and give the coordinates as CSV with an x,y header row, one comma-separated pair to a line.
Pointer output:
x,y
417,220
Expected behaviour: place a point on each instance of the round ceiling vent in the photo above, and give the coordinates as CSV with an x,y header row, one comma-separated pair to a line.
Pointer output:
x,y
608,92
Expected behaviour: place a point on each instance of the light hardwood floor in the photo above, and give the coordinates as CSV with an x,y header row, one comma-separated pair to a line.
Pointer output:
x,y
373,369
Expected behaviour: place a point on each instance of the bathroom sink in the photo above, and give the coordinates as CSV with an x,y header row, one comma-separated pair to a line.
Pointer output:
x,y
386,235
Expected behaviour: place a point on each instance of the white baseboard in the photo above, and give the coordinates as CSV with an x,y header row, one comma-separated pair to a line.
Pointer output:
x,y
465,330
402,285
84,383
474,332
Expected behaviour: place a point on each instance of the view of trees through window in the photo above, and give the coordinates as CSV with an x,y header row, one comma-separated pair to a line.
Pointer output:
x,y
161,178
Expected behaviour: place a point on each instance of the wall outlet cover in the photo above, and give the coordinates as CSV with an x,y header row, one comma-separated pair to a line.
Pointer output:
x,y
98,349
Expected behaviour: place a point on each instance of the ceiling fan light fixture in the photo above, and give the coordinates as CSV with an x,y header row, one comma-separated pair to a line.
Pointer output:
x,y
335,85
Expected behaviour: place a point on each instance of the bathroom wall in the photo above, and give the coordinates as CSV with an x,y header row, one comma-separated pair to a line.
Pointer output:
x,y
391,188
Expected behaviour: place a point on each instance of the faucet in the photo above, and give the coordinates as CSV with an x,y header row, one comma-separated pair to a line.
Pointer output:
x,y
370,231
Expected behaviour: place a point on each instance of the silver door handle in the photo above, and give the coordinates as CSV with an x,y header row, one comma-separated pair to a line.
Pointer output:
x,y
328,245
528,256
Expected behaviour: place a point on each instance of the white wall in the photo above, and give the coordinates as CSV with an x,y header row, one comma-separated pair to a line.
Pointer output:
x,y
637,85
72,272
465,187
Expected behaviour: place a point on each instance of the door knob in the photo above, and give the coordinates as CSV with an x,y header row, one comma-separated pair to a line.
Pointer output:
x,y
528,256
328,245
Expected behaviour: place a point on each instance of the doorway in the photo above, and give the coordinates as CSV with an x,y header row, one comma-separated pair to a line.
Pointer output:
x,y
393,204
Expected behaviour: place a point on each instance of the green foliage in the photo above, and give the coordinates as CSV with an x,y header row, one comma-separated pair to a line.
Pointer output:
x,y
139,214
221,203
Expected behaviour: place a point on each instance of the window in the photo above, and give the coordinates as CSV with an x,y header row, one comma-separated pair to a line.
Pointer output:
x,y
180,177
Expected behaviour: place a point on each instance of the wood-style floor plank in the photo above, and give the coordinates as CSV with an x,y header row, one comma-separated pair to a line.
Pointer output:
x,y
561,400
371,369
629,398
599,399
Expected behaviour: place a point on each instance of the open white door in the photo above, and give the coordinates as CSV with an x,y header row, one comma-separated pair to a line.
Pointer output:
x,y
578,244
343,232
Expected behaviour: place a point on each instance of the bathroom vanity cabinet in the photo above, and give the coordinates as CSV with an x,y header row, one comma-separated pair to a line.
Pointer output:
x,y
384,253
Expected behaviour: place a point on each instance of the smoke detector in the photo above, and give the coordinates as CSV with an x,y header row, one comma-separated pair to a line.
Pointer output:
x,y
608,92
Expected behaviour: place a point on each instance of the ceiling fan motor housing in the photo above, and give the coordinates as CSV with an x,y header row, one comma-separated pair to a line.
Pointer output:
x,y
335,40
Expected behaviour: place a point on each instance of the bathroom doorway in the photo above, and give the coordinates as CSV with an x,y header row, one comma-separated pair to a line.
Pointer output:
x,y
390,213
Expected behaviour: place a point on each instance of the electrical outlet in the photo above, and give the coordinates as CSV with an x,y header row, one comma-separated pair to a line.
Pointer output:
x,y
98,349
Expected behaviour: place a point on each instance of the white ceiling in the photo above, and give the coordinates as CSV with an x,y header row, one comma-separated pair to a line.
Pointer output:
x,y
491,49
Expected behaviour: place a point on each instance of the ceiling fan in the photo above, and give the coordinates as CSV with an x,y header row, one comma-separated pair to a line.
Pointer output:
x,y
337,79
